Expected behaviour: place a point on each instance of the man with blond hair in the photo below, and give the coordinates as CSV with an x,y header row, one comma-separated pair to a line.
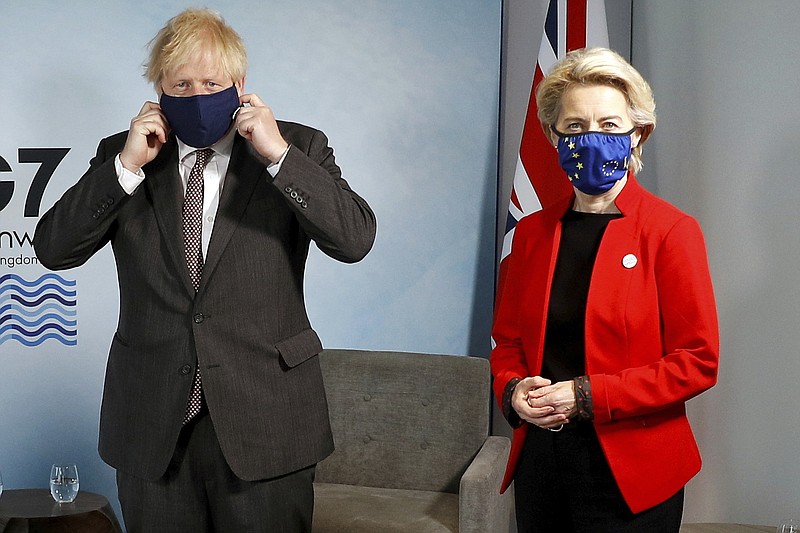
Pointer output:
x,y
214,412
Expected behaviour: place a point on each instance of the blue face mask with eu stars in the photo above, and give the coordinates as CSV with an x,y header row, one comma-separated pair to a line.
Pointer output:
x,y
202,119
594,161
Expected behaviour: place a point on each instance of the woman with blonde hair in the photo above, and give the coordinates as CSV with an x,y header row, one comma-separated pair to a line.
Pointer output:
x,y
606,324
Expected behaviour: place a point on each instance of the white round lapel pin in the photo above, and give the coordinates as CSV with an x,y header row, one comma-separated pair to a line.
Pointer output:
x,y
629,261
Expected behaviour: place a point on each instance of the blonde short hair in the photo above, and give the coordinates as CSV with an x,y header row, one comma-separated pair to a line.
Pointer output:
x,y
191,31
598,66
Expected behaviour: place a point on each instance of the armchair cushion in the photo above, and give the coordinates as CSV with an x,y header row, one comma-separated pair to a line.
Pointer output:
x,y
351,509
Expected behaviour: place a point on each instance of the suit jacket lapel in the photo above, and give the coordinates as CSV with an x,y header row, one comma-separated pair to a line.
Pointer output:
x,y
244,171
164,186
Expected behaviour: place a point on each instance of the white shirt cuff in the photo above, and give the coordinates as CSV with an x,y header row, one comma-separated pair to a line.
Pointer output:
x,y
129,181
274,168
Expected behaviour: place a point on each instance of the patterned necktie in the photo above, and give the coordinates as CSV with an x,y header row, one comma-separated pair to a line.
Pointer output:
x,y
192,240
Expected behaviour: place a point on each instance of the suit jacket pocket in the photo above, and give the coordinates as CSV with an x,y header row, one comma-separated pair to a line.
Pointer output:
x,y
300,347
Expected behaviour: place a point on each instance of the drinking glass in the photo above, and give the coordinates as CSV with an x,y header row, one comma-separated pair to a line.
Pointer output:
x,y
1,483
64,483
789,526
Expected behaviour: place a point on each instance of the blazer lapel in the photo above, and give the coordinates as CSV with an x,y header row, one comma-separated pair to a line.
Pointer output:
x,y
164,187
244,171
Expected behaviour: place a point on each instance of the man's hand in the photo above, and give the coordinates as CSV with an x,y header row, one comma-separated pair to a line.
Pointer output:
x,y
257,124
148,133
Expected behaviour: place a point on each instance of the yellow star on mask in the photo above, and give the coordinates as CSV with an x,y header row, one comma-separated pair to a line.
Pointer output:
x,y
580,166
571,145
576,155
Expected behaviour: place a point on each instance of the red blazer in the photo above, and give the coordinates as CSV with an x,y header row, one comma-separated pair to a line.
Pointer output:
x,y
652,339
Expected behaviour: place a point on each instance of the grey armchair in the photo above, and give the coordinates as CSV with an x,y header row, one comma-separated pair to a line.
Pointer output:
x,y
413,451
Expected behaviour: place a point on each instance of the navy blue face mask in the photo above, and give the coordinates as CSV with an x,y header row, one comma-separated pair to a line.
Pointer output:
x,y
202,119
594,161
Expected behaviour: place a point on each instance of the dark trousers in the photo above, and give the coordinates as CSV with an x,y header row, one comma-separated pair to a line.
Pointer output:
x,y
563,483
200,494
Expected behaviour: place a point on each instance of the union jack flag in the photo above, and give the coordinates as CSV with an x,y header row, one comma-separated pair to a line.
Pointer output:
x,y
569,24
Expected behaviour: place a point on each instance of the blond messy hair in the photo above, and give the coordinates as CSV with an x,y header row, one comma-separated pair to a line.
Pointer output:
x,y
598,66
189,32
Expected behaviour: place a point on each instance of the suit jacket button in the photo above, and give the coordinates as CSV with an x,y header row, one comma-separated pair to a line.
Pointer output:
x,y
198,318
287,189
293,194
186,370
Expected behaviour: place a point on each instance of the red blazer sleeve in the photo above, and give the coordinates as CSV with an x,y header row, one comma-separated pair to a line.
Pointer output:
x,y
521,307
687,364
507,359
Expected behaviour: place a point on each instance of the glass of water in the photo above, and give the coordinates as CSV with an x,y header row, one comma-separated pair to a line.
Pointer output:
x,y
64,483
789,526
1,483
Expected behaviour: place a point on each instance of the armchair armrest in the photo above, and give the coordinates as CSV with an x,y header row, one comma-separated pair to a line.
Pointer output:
x,y
482,509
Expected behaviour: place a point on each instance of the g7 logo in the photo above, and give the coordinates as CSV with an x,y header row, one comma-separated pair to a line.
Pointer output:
x,y
49,158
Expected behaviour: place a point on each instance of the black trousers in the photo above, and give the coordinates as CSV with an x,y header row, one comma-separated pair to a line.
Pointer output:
x,y
563,484
200,494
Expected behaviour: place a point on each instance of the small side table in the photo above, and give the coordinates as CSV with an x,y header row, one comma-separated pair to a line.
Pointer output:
x,y
34,511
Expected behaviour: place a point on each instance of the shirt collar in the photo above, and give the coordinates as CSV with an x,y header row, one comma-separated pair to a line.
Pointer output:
x,y
222,147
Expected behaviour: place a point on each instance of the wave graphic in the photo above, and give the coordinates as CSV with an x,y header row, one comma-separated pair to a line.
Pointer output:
x,y
35,311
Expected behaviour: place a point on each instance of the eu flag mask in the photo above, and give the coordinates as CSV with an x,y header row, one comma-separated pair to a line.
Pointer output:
x,y
202,119
594,161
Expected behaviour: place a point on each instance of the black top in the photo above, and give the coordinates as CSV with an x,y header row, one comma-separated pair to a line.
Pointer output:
x,y
564,346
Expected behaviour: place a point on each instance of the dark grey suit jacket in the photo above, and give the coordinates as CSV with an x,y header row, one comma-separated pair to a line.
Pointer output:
x,y
246,327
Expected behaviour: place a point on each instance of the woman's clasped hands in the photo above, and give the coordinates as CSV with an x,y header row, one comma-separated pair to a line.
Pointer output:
x,y
542,403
